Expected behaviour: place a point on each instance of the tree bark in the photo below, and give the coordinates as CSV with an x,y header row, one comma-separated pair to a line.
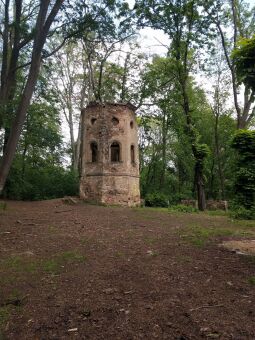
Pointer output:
x,y
199,180
4,68
43,24
164,135
217,147
243,114
124,79
198,176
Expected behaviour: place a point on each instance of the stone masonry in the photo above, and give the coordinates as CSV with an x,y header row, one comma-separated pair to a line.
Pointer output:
x,y
109,154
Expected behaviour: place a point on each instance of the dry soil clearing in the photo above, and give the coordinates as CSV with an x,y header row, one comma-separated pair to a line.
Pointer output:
x,y
91,272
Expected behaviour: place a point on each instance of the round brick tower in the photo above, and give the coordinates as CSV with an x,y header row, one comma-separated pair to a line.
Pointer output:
x,y
109,154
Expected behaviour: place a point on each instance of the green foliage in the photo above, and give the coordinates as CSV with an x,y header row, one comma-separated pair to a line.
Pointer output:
x,y
244,59
244,143
41,182
156,199
37,172
202,151
251,280
244,184
241,213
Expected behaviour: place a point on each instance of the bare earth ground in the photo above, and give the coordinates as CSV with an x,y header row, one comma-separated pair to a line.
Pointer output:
x,y
93,272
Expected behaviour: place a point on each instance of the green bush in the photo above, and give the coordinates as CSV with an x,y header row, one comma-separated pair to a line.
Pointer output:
x,y
175,199
156,199
244,182
39,183
242,213
182,208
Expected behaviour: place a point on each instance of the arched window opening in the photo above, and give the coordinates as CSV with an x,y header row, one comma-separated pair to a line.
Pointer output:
x,y
94,152
115,152
132,124
93,120
115,121
132,153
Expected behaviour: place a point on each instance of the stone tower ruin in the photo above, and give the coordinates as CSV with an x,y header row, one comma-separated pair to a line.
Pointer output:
x,y
109,154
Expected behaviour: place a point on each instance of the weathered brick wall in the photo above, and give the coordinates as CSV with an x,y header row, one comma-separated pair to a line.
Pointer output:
x,y
106,181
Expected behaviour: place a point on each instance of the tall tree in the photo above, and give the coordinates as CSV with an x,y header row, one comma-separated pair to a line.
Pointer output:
x,y
46,15
70,83
160,107
234,21
180,19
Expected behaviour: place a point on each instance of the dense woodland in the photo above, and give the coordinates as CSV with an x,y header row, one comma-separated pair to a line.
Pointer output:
x,y
195,103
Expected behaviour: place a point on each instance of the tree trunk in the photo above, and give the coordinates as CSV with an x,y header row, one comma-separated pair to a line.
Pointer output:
x,y
81,159
124,79
163,171
77,160
200,187
42,29
70,112
198,177
217,147
78,146
4,68
243,114
18,123
211,181
9,69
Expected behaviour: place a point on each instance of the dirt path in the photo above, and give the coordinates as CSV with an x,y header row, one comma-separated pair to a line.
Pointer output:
x,y
91,272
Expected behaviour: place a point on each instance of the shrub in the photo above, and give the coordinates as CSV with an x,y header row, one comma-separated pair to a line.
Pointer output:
x,y
41,183
242,213
244,184
176,198
156,199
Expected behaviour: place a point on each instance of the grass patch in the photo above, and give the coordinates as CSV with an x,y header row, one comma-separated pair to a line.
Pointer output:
x,y
52,229
72,256
199,236
50,266
244,224
120,254
3,206
4,316
12,303
5,313
19,265
216,213
150,240
251,280
146,210
54,265
180,208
